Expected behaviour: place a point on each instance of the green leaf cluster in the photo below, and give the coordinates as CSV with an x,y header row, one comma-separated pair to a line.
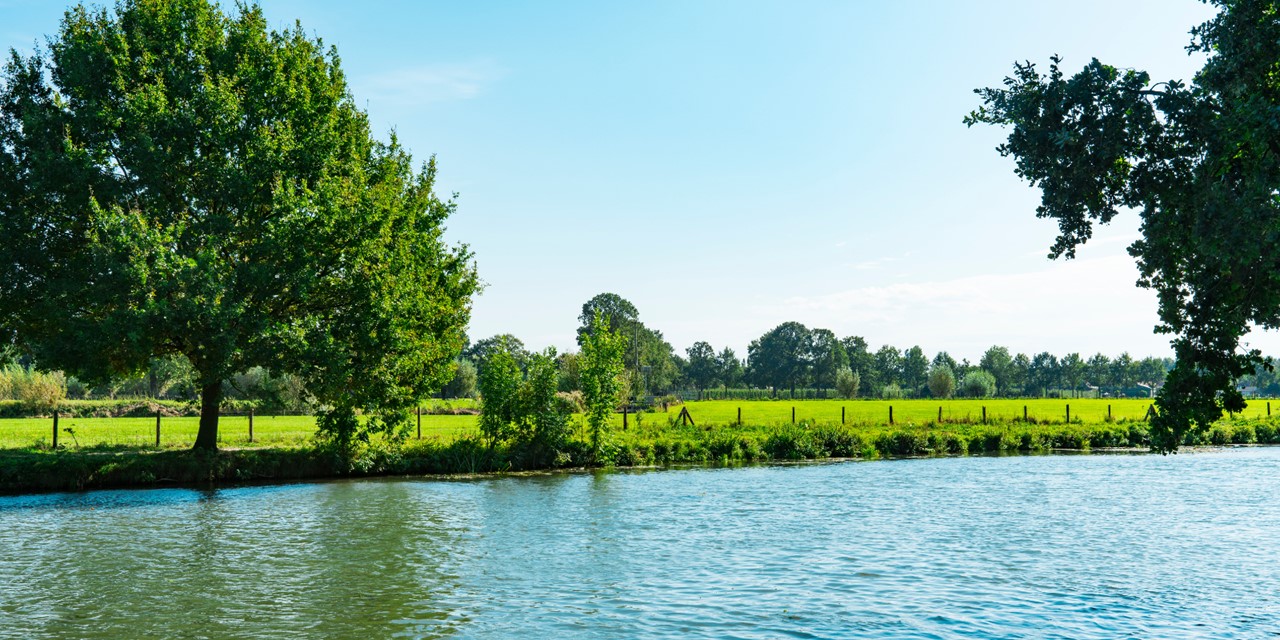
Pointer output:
x,y
177,180
1199,161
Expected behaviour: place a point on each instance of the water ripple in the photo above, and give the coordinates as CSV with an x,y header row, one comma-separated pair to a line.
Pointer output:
x,y
1020,547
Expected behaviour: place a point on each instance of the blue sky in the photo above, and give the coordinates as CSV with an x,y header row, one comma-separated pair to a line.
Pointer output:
x,y
728,166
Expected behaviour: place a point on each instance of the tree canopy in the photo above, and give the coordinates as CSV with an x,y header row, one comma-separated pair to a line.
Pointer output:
x,y
176,180
1200,161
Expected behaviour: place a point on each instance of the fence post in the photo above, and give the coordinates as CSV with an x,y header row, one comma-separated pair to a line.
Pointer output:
x,y
1068,414
890,415
250,424
739,416
624,417
1024,413
984,415
793,415
55,430
841,415
939,414
157,428
1108,412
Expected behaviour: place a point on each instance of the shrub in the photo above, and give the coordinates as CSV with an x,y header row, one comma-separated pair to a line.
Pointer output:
x,y
891,392
978,384
847,381
942,382
40,391
571,401
463,384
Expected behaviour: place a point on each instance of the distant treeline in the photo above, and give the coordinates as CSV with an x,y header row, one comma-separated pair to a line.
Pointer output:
x,y
790,360
796,361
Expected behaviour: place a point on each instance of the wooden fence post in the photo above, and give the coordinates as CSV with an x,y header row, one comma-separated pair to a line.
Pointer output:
x,y
841,415
157,428
1108,412
624,417
793,415
55,430
890,415
250,424
939,414
739,416
1068,414
984,415
1024,413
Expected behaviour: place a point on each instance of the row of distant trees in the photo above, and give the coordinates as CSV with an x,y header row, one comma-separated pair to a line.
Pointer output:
x,y
792,356
788,357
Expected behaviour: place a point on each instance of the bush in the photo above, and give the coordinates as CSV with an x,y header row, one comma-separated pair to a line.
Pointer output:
x,y
978,384
36,390
463,384
891,392
942,382
847,382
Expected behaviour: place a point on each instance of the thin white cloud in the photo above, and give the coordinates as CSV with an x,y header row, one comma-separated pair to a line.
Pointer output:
x,y
430,83
1079,305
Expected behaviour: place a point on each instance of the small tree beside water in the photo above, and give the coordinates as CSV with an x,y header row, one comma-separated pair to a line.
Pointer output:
x,y
600,370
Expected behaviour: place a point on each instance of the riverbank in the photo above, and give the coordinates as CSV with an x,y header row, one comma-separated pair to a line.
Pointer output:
x,y
39,470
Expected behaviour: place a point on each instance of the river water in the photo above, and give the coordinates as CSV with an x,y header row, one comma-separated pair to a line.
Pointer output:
x,y
1103,546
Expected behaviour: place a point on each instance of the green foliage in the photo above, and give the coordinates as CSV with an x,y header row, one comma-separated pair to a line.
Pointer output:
x,y
942,382
782,357
978,384
601,367
891,391
525,409
1198,161
282,393
567,364
544,416
828,357
480,352
38,391
702,368
915,369
999,364
463,384
731,369
500,382
847,383
176,180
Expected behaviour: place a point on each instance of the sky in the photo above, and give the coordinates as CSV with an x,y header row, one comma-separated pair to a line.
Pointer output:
x,y
731,165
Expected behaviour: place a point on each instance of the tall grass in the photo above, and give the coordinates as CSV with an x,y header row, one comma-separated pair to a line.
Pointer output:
x,y
41,391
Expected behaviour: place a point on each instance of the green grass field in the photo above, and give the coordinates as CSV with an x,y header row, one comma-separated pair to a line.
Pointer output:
x,y
294,430
233,431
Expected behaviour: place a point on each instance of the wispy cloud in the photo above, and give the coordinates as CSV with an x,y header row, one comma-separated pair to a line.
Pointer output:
x,y
1079,304
429,83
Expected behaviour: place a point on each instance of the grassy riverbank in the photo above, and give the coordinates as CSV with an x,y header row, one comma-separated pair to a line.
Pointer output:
x,y
651,443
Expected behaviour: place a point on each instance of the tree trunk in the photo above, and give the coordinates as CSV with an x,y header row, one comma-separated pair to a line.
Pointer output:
x,y
210,399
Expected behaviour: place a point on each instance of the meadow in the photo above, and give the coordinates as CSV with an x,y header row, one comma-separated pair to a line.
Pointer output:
x,y
180,432
269,431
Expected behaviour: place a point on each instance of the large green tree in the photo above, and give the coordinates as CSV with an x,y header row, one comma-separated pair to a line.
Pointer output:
x,y
1200,161
782,357
703,368
177,180
828,358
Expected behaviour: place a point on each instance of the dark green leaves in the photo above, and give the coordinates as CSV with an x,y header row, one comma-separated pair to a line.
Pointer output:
x,y
1201,162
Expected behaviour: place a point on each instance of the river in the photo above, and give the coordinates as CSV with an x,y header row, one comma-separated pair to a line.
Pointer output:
x,y
1078,546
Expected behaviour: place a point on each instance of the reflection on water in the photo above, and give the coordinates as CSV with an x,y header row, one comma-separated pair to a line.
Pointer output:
x,y
1096,546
